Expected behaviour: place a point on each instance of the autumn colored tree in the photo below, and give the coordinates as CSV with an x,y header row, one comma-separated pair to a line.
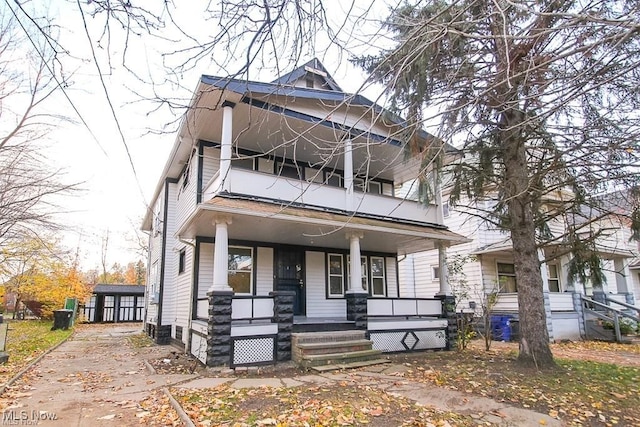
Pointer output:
x,y
40,271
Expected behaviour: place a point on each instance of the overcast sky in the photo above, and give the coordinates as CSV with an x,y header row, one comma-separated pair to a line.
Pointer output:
x,y
114,199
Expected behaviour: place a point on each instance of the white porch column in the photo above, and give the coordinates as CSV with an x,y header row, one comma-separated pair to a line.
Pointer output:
x,y
355,270
437,190
544,272
348,175
622,272
221,255
226,140
445,287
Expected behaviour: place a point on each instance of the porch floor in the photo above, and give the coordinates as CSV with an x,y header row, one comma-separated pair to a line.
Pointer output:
x,y
321,324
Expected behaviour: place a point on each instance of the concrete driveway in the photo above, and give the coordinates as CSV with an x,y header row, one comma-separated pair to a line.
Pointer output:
x,y
96,378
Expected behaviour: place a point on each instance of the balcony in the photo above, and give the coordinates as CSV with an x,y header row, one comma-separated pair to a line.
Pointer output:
x,y
267,186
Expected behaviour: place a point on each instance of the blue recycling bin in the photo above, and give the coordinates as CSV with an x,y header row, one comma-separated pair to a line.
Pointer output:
x,y
501,327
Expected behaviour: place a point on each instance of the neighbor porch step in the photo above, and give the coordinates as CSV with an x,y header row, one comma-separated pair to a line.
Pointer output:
x,y
351,365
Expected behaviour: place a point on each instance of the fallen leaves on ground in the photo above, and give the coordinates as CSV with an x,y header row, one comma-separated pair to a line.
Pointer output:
x,y
26,340
580,392
156,410
330,405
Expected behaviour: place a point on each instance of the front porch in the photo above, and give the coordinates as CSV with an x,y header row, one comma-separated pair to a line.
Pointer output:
x,y
235,330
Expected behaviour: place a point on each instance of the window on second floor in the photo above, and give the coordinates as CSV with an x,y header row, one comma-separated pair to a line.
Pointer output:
x,y
446,209
182,258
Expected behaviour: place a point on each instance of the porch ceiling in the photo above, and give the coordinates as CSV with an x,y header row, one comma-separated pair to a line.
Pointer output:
x,y
271,223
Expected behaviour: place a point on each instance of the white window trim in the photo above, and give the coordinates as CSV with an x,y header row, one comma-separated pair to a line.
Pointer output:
x,y
364,270
329,275
435,273
251,290
508,275
383,277
549,278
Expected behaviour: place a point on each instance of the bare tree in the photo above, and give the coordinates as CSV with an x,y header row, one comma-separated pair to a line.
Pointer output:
x,y
29,187
542,97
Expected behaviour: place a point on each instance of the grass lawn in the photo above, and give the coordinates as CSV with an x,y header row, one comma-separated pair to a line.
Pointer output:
x,y
26,340
583,390
595,384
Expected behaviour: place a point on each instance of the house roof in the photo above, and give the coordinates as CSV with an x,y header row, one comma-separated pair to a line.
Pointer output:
x,y
118,289
313,67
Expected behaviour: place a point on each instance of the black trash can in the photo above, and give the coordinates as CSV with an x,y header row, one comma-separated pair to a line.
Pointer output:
x,y
61,319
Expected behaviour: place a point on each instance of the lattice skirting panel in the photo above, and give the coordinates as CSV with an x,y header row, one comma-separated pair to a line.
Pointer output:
x,y
253,350
408,340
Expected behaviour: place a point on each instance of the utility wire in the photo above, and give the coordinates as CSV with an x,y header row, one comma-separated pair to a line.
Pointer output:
x,y
51,71
113,112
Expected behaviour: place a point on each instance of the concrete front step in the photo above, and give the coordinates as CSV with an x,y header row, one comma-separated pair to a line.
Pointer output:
x,y
351,365
305,349
333,336
338,358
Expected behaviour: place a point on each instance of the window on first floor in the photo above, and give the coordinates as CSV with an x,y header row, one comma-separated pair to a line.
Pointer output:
x,y
374,279
363,269
240,269
378,276
507,277
553,277
335,275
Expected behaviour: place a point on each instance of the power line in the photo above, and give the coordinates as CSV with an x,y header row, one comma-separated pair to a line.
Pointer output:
x,y
51,71
108,98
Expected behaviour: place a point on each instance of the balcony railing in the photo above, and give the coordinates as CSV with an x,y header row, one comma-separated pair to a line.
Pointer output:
x,y
268,186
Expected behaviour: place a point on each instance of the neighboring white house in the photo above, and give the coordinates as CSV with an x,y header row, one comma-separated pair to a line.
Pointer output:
x,y
270,190
489,266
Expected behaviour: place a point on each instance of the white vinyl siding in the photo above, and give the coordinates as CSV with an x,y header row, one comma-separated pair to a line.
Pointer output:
x,y
185,196
170,290
210,164
264,271
205,269
183,293
317,303
392,283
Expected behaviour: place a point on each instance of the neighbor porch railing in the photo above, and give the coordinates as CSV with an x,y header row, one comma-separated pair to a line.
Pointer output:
x,y
608,313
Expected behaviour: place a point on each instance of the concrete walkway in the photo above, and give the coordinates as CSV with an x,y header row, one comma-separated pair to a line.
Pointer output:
x,y
98,379
485,411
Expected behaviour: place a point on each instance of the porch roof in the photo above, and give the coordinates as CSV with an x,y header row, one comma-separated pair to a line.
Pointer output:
x,y
270,222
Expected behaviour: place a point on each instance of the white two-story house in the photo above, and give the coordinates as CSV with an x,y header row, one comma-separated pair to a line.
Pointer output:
x,y
488,264
269,193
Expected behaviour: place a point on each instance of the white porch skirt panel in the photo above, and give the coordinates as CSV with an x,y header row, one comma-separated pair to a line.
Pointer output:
x,y
398,336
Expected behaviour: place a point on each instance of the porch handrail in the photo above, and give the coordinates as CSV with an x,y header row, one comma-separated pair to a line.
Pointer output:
x,y
615,318
624,304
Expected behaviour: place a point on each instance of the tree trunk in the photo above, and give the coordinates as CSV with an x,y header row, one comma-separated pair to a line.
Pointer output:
x,y
534,337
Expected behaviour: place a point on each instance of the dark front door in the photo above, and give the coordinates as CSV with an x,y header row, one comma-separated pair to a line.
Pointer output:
x,y
290,275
